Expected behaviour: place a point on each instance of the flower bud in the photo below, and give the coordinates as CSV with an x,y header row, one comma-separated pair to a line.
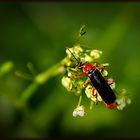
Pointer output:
x,y
104,73
105,64
88,58
95,53
68,52
88,91
77,49
93,96
67,83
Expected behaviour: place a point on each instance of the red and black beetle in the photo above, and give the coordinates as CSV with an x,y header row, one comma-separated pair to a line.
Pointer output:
x,y
98,81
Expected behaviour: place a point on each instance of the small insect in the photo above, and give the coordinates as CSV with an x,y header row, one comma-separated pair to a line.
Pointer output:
x,y
98,81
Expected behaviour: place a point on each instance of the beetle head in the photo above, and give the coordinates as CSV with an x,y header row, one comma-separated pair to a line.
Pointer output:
x,y
80,65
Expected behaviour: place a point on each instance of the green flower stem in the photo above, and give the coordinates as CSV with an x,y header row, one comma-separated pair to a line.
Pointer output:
x,y
40,79
26,94
91,105
79,102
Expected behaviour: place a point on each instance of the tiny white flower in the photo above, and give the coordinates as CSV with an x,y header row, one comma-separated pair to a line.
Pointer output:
x,y
69,74
120,107
112,85
75,113
120,101
123,100
81,113
128,101
80,108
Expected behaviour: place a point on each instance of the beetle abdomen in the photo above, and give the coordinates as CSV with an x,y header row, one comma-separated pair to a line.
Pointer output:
x,y
102,86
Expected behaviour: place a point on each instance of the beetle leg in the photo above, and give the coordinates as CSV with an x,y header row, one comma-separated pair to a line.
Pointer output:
x,y
94,93
81,74
110,81
78,75
100,68
86,82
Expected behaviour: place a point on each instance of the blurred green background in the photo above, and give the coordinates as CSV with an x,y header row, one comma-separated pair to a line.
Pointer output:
x,y
38,33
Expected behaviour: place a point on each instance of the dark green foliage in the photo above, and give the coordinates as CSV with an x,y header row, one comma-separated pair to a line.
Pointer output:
x,y
38,33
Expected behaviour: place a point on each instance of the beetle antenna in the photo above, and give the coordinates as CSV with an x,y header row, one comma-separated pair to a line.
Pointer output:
x,y
73,55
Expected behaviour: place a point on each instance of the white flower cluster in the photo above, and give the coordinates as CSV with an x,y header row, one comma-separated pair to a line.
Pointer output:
x,y
75,85
93,96
84,55
95,53
79,111
122,100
